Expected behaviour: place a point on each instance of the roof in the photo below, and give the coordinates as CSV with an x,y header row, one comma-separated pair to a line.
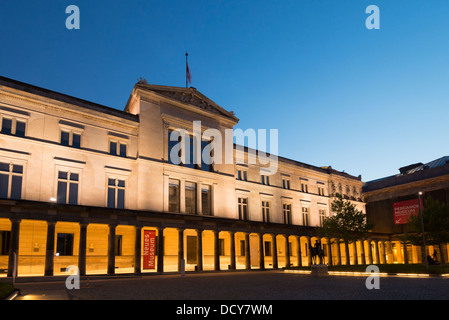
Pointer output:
x,y
411,173
189,96
25,87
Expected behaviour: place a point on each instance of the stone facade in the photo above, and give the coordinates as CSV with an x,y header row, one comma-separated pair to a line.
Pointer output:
x,y
81,182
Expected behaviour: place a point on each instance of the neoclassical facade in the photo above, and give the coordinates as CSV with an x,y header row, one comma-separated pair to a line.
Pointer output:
x,y
82,185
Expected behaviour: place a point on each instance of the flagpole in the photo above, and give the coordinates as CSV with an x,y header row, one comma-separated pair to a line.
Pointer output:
x,y
187,63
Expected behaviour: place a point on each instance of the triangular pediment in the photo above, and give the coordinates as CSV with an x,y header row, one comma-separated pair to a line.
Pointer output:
x,y
189,96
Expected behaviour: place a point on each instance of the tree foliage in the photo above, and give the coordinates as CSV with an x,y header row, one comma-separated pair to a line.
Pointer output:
x,y
347,224
436,224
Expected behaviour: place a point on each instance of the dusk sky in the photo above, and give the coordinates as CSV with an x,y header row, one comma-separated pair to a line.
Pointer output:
x,y
363,101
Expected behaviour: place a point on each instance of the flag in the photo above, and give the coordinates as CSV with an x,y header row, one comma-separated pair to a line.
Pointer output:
x,y
189,77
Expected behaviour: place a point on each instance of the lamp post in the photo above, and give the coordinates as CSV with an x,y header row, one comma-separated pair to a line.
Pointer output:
x,y
422,230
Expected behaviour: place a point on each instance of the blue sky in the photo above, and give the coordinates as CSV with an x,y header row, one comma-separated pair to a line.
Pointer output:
x,y
364,101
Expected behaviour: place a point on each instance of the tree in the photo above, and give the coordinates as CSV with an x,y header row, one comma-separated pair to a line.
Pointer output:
x,y
436,226
346,225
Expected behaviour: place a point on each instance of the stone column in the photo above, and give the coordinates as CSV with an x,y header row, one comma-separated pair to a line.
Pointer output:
x,y
200,249
347,254
138,251
299,253
261,252
50,249
111,249
217,250
82,249
404,244
339,253
14,245
247,252
370,252
232,237
180,249
160,249
329,252
287,252
309,254
362,251
377,252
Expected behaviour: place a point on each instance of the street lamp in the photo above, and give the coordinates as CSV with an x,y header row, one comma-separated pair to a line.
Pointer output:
x,y
422,230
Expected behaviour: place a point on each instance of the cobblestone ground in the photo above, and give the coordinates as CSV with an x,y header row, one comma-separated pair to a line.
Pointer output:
x,y
270,285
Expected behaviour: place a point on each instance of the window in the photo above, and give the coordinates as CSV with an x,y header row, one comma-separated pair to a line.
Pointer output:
x,y
221,247
208,157
266,211
118,246
265,180
117,149
287,210
320,189
242,175
304,186
242,248
173,195
64,244
7,126
243,208
12,126
116,193
285,183
5,238
68,188
206,208
322,214
305,216
267,249
11,177
70,139
190,196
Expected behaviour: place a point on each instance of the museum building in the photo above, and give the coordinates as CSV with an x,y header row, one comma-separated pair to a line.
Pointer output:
x,y
385,197
86,185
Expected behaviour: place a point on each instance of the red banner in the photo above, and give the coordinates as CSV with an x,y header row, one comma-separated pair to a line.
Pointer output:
x,y
149,250
403,210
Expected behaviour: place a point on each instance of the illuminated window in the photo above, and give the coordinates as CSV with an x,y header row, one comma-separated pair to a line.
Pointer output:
x,y
68,184
243,208
64,244
305,216
11,177
173,195
320,189
206,207
266,211
13,126
70,139
116,193
190,196
117,149
265,180
285,183
287,210
304,186
322,214
118,246
5,238
242,175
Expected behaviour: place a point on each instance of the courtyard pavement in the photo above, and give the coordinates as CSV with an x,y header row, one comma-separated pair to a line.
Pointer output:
x,y
240,286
